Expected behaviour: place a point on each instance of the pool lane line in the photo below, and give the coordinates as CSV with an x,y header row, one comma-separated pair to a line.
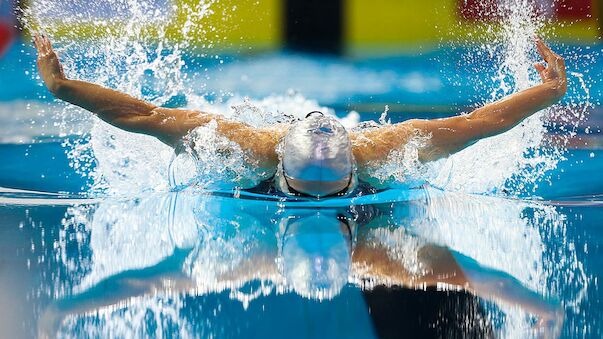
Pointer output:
x,y
12,196
594,200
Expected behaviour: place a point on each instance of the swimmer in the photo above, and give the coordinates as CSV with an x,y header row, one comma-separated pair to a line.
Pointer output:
x,y
319,157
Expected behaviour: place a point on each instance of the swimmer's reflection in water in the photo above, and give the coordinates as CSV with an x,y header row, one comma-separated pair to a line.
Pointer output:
x,y
214,245
318,157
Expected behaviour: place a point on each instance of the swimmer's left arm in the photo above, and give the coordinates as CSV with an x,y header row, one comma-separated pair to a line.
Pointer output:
x,y
450,135
453,134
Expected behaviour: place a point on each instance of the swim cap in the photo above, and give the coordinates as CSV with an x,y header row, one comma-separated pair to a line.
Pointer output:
x,y
316,157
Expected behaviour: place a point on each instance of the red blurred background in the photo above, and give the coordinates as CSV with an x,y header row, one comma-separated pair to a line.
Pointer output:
x,y
556,9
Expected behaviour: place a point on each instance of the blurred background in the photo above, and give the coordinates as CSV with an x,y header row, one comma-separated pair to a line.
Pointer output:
x,y
338,26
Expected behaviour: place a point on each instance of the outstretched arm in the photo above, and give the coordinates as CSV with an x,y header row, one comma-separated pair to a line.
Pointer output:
x,y
451,135
138,116
118,109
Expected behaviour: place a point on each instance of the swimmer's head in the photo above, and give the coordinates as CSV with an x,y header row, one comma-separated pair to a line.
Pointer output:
x,y
317,156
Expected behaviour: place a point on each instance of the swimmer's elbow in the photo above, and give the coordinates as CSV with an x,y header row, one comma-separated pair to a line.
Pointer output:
x,y
60,89
488,126
146,125
135,123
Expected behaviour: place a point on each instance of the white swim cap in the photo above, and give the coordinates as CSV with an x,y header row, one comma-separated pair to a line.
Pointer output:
x,y
317,157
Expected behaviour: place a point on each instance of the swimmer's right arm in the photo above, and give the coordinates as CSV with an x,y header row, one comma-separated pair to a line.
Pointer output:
x,y
138,116
118,109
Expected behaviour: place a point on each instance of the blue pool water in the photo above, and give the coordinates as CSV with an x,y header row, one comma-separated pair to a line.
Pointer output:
x,y
77,261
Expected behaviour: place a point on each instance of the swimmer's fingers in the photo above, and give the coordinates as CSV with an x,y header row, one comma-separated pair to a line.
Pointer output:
x,y
49,66
47,44
540,68
555,65
546,52
38,42
45,51
43,45
540,49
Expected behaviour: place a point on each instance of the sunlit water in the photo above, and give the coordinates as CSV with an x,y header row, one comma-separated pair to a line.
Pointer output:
x,y
132,257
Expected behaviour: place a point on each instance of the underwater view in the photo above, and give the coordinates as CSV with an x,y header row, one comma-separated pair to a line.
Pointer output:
x,y
112,228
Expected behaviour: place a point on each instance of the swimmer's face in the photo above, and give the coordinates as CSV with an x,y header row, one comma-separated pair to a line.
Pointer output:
x,y
317,156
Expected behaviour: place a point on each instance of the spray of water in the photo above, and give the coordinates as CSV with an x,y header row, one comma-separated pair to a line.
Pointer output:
x,y
226,240
122,56
515,162
512,163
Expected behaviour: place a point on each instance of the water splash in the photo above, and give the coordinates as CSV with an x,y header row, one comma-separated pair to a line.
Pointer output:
x,y
507,229
122,55
130,57
236,167
121,162
513,163
401,168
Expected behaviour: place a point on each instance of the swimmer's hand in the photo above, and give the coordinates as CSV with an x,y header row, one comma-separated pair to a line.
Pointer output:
x,y
553,73
48,63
